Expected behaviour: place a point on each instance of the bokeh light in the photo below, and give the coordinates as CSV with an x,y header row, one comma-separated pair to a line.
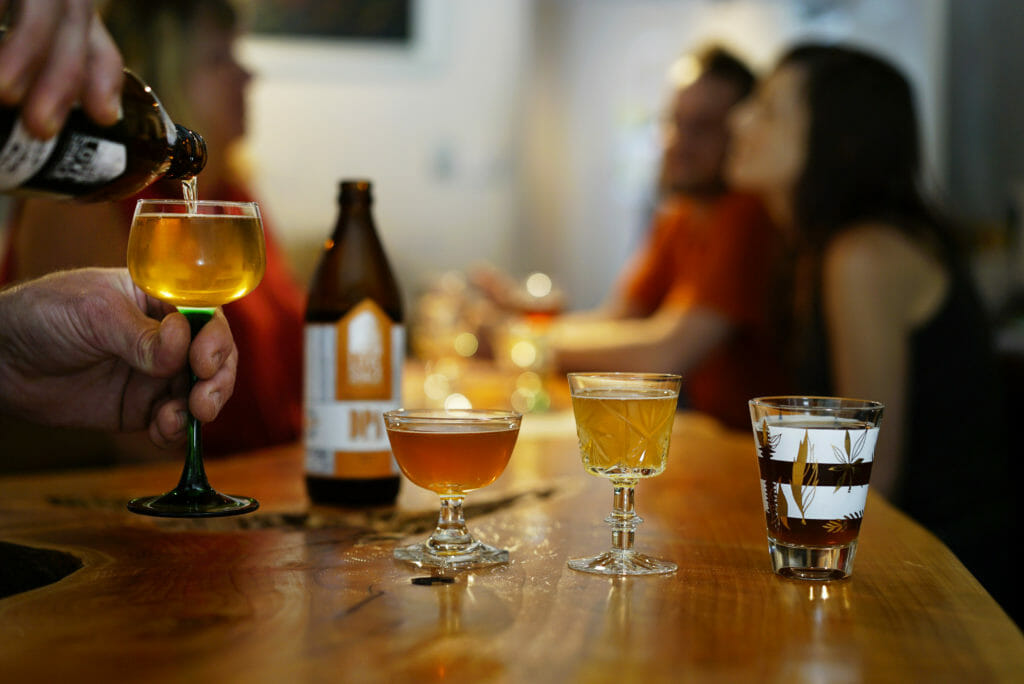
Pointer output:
x,y
538,284
684,71
523,353
436,386
457,401
466,344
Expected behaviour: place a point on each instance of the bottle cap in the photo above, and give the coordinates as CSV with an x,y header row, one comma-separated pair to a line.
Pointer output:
x,y
352,190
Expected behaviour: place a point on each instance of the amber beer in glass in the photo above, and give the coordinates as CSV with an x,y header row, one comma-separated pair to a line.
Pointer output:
x,y
815,456
354,354
452,452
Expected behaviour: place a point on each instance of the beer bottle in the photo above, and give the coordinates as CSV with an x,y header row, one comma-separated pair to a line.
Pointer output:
x,y
90,162
355,349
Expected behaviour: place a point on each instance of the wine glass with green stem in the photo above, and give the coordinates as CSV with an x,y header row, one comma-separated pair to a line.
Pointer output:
x,y
196,255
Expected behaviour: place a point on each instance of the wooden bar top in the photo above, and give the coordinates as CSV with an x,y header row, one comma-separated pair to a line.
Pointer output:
x,y
294,593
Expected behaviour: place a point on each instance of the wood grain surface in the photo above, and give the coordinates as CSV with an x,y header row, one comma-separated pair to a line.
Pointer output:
x,y
295,593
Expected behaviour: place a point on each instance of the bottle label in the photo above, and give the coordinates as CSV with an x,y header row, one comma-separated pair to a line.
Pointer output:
x,y
81,159
22,156
353,375
88,160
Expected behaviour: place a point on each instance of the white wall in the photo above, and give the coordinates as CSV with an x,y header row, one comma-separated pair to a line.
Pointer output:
x,y
434,126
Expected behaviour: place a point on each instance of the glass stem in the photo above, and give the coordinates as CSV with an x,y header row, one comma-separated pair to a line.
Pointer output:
x,y
623,519
193,475
451,531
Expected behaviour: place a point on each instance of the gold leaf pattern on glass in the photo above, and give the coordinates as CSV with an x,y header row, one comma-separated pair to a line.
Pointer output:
x,y
766,441
848,458
837,526
782,507
766,444
805,477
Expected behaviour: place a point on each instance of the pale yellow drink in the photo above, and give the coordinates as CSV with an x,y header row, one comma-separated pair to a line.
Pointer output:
x,y
624,433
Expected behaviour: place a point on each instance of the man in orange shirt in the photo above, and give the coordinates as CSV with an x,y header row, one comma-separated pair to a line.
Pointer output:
x,y
694,299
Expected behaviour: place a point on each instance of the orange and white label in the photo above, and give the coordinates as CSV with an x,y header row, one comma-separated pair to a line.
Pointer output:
x,y
353,375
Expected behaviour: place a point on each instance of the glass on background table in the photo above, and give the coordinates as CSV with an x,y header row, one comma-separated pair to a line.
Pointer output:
x,y
197,255
624,424
452,452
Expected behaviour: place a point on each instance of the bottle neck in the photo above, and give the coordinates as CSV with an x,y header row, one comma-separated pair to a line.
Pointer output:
x,y
354,216
188,156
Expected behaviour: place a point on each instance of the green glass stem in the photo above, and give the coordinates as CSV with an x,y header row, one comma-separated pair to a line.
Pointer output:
x,y
193,497
193,480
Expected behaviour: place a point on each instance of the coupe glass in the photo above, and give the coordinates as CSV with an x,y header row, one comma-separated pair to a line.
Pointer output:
x,y
196,255
452,452
624,423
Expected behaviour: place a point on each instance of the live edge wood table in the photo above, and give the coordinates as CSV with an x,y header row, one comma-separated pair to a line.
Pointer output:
x,y
294,593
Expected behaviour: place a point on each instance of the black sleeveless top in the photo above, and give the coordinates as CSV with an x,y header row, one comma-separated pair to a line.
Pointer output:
x,y
954,478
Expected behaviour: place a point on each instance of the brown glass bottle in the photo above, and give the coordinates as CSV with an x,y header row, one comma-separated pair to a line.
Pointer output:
x,y
90,162
355,349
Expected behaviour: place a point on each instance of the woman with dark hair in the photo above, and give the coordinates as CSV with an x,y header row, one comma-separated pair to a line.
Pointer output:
x,y
880,304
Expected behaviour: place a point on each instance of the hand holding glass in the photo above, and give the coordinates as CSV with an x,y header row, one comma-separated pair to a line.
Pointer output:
x,y
196,255
624,423
452,452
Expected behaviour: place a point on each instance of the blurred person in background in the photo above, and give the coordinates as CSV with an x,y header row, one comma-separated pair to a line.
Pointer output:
x,y
691,300
185,50
881,305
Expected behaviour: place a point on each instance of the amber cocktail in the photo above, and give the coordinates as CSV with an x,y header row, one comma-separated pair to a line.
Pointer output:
x,y
452,452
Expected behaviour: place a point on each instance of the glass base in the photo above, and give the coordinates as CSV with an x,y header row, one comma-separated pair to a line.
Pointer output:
x,y
812,562
617,562
209,504
474,555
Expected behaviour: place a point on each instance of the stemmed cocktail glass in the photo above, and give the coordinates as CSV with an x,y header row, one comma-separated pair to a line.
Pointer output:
x,y
196,255
624,423
452,452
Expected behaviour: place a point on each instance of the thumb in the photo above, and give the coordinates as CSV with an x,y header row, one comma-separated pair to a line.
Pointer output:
x,y
161,350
